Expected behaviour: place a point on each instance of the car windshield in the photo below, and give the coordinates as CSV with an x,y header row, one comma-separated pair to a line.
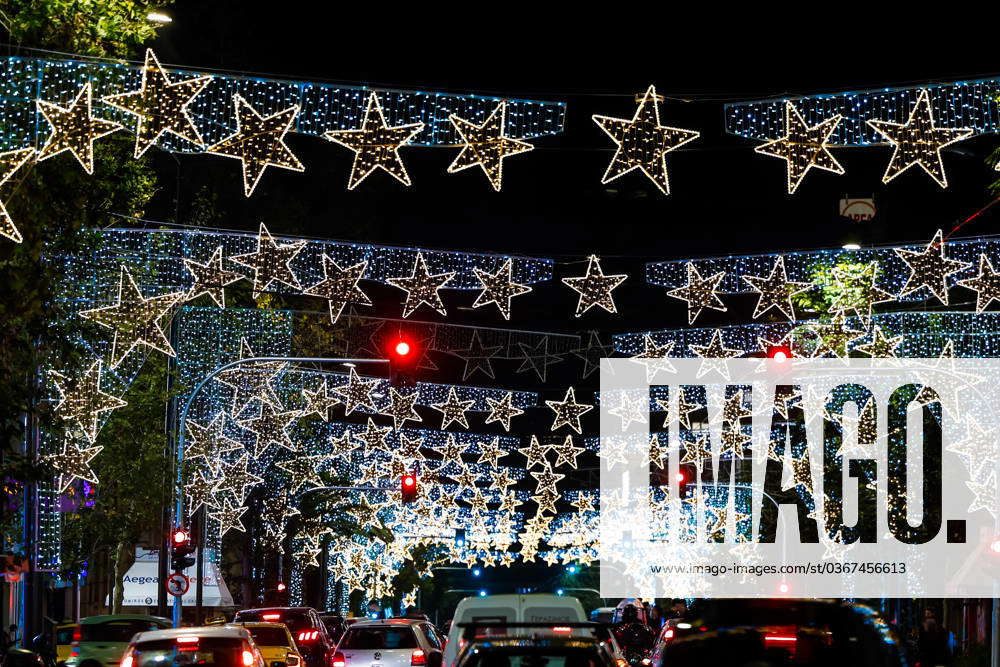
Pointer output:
x,y
269,636
379,638
220,651
530,657
295,620
119,631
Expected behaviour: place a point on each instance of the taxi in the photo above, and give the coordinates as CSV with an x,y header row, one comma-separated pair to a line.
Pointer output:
x,y
275,643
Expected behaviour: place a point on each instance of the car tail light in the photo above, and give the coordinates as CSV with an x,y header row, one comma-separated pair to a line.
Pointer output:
x,y
127,660
562,629
339,660
77,636
669,634
248,659
292,660
418,657
308,636
779,638
271,617
621,662
187,639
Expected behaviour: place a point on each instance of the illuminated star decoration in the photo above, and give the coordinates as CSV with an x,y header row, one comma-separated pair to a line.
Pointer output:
x,y
643,143
930,268
568,411
82,401
72,463
880,347
160,105
699,293
375,145
918,141
776,291
10,162
422,287
453,410
714,355
803,147
534,453
537,358
593,353
655,358
74,129
855,290
498,288
339,286
200,491
210,278
303,470
135,319
502,410
486,145
208,442
567,452
236,479
986,285
258,142
595,288
319,401
229,518
400,408
251,381
835,338
357,393
270,426
477,357
271,262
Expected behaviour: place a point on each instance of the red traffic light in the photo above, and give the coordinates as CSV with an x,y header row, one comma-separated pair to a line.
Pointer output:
x,y
408,488
779,353
181,536
402,348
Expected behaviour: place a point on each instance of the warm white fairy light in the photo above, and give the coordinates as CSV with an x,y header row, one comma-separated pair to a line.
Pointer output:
x,y
486,145
930,268
271,262
82,402
803,147
210,278
339,286
498,287
10,162
568,411
776,291
74,129
422,287
699,293
595,288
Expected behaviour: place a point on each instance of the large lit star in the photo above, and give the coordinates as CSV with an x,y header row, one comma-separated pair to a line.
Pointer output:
x,y
10,162
375,145
986,285
82,401
210,278
72,463
919,141
699,293
229,518
339,286
568,411
930,268
643,143
776,291
357,393
271,262
134,319
258,142
453,410
595,288
400,408
271,428
486,145
502,410
303,470
208,442
498,288
803,147
74,129
422,287
160,105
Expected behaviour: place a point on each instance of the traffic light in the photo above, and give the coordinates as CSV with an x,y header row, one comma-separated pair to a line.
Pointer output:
x,y
408,487
181,549
460,538
402,353
779,353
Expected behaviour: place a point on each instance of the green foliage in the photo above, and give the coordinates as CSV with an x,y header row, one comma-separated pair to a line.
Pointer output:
x,y
115,28
829,290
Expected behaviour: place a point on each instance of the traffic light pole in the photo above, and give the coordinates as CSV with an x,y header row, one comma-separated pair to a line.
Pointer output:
x,y
178,518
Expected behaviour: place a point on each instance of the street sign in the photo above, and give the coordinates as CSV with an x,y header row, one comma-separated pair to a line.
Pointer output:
x,y
177,584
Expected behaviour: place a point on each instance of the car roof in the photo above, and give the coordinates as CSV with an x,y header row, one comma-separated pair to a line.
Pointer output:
x,y
234,631
259,624
121,617
389,622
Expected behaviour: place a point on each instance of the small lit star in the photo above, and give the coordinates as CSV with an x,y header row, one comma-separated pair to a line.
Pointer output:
x,y
340,286
568,411
74,129
486,145
498,287
210,278
776,291
357,393
271,262
986,285
502,410
422,287
803,147
81,400
73,463
930,268
453,410
595,288
699,293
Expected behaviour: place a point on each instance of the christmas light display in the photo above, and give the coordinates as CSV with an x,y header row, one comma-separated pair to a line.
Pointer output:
x,y
595,288
269,427
72,463
803,147
486,145
357,393
271,262
340,286
375,145
568,411
930,268
210,278
160,105
229,517
10,162
642,142
699,293
258,142
400,407
82,403
775,291
502,410
304,470
453,410
421,287
499,288
477,357
855,290
74,129
318,401
209,442
134,319
919,141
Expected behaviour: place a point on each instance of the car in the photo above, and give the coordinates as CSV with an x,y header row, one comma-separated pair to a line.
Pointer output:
x,y
205,646
275,643
766,632
531,608
394,642
98,641
571,644
308,630
335,624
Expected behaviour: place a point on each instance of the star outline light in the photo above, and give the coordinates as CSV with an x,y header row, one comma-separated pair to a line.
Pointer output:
x,y
486,145
803,147
59,140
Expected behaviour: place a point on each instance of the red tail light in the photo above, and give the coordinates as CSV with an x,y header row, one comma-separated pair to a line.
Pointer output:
x,y
248,659
778,638
418,658
75,650
308,636
187,639
271,617
339,660
562,629
127,660
669,634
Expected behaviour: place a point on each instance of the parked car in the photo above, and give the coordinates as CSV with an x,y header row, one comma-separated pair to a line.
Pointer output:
x,y
308,630
98,641
275,643
395,642
205,646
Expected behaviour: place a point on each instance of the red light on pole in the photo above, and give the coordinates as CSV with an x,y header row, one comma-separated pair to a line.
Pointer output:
x,y
408,488
779,353
402,348
181,536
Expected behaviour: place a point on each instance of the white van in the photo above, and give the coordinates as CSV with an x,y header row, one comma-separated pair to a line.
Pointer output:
x,y
539,608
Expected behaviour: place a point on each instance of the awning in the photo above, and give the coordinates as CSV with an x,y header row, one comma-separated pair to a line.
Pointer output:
x,y
142,585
